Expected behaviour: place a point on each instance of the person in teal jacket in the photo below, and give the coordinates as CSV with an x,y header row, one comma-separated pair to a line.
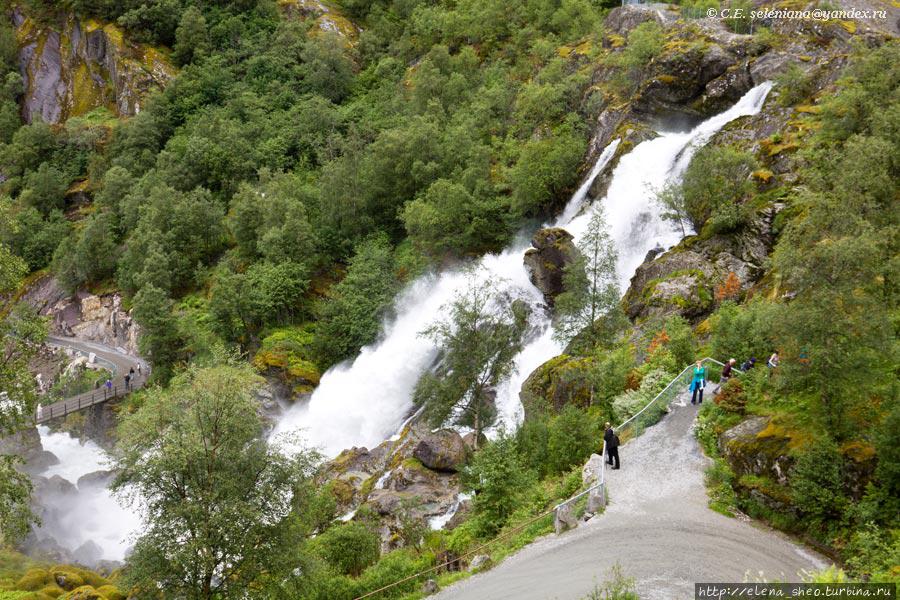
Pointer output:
x,y
698,382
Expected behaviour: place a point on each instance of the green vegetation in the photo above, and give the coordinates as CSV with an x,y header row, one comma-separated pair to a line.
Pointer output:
x,y
834,398
715,188
26,579
222,506
22,331
589,306
480,338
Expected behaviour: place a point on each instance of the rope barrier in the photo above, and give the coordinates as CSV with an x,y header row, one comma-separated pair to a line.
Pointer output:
x,y
546,513
516,529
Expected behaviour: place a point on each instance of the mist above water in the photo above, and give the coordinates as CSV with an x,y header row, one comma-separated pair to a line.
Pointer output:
x,y
90,513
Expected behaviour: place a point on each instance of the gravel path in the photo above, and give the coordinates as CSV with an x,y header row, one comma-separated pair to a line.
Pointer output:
x,y
657,527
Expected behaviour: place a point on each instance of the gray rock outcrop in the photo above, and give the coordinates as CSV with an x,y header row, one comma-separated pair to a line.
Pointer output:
x,y
552,251
442,450
71,66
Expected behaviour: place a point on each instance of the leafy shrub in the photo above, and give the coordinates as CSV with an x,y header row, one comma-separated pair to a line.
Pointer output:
x,y
616,587
392,568
741,331
794,85
875,554
715,183
532,438
498,478
350,547
731,396
816,482
572,437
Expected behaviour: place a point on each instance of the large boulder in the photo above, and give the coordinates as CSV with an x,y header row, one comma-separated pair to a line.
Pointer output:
x,y
560,381
684,280
442,450
95,479
622,19
552,251
680,85
756,446
26,444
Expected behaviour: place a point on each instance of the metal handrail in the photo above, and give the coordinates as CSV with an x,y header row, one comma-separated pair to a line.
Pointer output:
x,y
602,481
81,401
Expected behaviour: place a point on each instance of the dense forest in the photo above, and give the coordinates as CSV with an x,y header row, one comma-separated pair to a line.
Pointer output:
x,y
263,210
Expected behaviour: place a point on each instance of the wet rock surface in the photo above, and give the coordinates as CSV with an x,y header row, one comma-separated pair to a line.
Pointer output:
x,y
684,280
546,261
89,317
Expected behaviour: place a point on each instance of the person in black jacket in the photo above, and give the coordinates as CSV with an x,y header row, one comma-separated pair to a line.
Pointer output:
x,y
612,446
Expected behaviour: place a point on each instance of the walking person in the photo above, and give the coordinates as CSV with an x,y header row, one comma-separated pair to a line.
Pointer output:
x,y
748,364
131,372
726,370
612,446
128,381
108,385
698,382
139,368
773,360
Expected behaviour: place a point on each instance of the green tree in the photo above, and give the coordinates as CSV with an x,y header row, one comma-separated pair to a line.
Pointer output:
x,y
670,199
242,303
191,37
715,185
546,170
499,479
222,505
479,339
34,237
22,333
589,306
160,339
349,547
573,436
351,315
45,188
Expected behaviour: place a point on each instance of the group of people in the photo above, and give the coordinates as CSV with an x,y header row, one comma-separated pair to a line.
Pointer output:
x,y
698,381
697,385
130,378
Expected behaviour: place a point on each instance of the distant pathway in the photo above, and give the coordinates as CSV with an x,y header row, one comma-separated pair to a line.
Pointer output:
x,y
657,526
121,364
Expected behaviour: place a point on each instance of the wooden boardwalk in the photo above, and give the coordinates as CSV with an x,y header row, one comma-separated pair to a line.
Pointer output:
x,y
121,363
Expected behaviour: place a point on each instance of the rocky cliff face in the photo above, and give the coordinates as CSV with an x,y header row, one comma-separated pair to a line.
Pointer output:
x,y
86,316
71,66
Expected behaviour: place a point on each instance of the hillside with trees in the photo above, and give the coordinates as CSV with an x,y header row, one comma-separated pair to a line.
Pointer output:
x,y
256,186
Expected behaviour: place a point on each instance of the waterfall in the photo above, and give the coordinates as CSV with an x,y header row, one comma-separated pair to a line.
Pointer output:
x,y
363,402
90,514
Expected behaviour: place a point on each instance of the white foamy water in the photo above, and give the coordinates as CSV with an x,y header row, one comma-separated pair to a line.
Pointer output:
x,y
363,402
92,513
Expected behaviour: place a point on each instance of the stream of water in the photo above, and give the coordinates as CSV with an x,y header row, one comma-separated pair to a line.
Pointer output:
x,y
363,402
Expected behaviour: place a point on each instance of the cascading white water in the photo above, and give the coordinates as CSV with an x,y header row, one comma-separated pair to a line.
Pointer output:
x,y
362,403
91,513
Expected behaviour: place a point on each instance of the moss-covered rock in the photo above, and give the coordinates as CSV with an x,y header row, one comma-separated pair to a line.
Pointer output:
x,y
73,65
85,592
442,450
758,446
286,354
560,381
